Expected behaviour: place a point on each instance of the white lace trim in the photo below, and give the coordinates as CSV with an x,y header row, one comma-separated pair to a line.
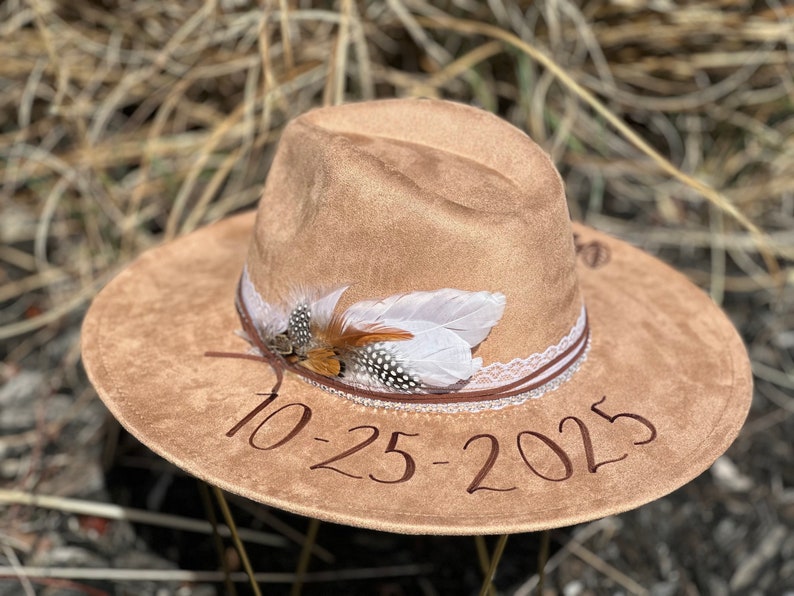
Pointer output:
x,y
456,407
499,374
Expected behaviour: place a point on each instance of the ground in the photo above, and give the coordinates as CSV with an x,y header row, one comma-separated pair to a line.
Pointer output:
x,y
123,125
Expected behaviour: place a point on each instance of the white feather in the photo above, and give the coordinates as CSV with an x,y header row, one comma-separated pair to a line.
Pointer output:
x,y
470,315
268,319
322,307
438,356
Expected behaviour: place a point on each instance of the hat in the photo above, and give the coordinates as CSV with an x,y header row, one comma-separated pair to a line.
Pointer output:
x,y
411,335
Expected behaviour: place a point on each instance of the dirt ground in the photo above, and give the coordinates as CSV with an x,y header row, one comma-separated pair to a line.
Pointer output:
x,y
123,125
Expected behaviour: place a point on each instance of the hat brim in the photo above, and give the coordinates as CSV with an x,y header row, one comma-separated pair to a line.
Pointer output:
x,y
664,391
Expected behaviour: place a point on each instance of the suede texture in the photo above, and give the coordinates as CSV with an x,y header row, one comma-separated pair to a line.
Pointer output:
x,y
423,195
352,198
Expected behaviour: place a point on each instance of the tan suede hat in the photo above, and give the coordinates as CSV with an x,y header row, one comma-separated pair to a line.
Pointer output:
x,y
410,335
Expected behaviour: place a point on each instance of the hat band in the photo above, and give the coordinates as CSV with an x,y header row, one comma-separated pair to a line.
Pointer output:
x,y
492,387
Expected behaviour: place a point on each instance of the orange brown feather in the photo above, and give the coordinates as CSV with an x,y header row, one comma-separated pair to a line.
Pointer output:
x,y
323,361
344,336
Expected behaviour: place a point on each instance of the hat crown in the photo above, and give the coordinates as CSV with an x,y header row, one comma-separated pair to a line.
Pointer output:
x,y
403,195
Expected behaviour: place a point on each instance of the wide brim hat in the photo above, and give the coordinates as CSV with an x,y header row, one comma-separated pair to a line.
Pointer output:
x,y
616,379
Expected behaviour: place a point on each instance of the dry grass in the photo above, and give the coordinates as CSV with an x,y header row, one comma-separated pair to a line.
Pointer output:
x,y
123,124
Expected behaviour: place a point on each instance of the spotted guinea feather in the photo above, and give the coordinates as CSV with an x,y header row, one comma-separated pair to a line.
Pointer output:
x,y
436,355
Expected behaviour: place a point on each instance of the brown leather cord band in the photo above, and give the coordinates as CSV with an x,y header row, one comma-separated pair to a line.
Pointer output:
x,y
517,387
522,385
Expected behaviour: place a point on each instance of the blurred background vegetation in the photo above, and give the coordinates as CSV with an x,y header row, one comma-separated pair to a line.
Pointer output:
x,y
126,123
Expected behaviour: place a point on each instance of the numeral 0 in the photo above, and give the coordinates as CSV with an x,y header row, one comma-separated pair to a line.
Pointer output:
x,y
304,420
558,451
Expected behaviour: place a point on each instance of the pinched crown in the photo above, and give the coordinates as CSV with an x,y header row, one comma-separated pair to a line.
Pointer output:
x,y
408,195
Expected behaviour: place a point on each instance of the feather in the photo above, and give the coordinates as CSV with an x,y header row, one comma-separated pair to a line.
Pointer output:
x,y
323,304
405,342
342,334
323,361
311,311
437,355
469,315
268,320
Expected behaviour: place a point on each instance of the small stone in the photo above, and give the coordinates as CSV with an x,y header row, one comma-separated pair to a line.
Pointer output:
x,y
728,476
